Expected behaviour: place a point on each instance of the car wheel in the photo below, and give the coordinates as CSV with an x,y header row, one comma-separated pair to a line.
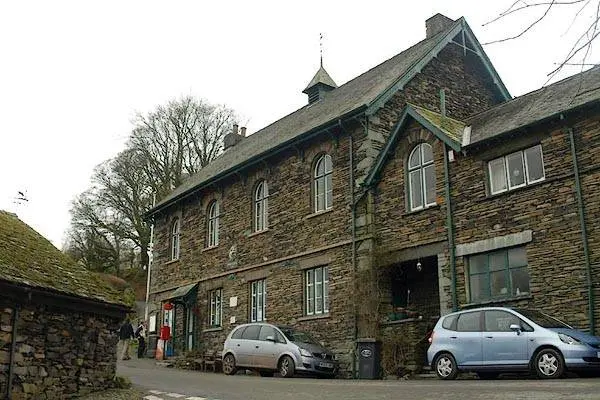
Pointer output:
x,y
548,364
266,374
229,367
445,366
487,375
286,367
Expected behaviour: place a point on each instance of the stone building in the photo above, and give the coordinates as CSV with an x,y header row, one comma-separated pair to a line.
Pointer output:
x,y
57,320
414,189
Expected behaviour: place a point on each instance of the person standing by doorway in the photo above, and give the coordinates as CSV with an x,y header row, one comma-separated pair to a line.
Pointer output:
x,y
125,335
140,334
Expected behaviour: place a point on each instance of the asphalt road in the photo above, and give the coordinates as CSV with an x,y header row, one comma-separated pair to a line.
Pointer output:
x,y
168,383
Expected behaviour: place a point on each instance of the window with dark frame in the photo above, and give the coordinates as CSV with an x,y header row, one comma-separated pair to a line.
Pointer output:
x,y
516,170
215,312
498,274
175,240
316,291
261,195
322,184
213,224
258,300
421,178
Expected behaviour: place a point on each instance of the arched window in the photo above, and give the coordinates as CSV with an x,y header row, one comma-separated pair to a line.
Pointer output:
x,y
323,188
213,224
175,240
261,195
421,177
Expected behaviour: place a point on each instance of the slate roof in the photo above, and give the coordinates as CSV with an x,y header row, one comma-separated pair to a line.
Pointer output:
x,y
29,259
535,107
352,97
320,77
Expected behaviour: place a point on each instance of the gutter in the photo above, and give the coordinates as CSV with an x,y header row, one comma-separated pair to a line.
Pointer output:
x,y
450,227
584,238
307,135
13,346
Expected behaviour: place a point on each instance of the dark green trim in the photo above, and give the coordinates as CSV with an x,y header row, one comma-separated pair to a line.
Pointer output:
x,y
584,238
409,111
450,229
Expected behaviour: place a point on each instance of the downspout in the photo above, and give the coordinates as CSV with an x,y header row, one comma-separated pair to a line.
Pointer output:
x,y
13,346
450,226
150,257
584,238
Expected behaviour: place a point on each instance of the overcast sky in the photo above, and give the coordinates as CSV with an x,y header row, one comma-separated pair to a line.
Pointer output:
x,y
74,73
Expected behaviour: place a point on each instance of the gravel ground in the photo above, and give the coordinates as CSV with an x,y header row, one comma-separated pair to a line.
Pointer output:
x,y
115,394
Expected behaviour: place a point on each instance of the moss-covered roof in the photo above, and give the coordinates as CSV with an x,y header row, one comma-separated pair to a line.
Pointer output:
x,y
28,258
449,126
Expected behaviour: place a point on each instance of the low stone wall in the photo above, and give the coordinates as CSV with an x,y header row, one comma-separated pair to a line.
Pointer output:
x,y
60,354
404,346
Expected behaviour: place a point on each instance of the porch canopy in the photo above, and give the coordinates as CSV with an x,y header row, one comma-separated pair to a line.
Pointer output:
x,y
184,294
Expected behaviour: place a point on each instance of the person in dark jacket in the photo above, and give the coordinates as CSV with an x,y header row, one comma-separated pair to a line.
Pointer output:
x,y
140,334
125,335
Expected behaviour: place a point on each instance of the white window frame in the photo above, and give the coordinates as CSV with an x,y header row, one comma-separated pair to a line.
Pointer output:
x,y
316,303
258,300
213,215
318,177
175,236
421,167
215,308
525,165
261,197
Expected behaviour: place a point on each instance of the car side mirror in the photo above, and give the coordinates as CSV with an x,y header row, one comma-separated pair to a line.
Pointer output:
x,y
271,339
322,344
515,328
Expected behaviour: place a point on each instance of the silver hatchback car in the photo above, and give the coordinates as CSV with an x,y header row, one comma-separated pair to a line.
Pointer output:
x,y
269,348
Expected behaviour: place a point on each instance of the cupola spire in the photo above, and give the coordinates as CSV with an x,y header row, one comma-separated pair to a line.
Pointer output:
x,y
321,83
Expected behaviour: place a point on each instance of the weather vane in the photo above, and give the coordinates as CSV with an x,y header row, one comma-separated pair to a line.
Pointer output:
x,y
321,46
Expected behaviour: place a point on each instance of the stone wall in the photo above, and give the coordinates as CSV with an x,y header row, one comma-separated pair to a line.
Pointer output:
x,y
59,354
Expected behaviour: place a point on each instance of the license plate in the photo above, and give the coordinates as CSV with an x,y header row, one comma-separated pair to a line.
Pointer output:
x,y
325,365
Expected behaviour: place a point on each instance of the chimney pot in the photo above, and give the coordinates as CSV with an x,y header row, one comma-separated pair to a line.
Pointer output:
x,y
235,128
243,131
436,24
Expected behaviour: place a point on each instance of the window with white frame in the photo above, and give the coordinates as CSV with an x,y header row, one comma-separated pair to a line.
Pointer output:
x,y
421,177
175,240
323,185
261,195
213,224
215,312
258,300
498,274
316,291
516,170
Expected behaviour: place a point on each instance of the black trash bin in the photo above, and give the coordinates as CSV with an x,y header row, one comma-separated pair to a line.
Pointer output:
x,y
369,358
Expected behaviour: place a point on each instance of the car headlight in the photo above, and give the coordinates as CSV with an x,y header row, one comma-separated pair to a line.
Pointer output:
x,y
568,339
305,353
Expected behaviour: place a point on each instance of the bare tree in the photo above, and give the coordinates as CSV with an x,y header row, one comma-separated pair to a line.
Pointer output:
x,y
586,19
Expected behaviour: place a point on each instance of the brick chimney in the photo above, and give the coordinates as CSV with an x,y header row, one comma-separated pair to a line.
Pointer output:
x,y
233,138
436,24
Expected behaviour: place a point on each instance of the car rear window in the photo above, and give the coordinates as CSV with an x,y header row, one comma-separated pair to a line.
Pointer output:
x,y
450,322
469,322
237,334
251,332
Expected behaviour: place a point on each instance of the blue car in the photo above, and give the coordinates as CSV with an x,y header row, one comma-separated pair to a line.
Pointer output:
x,y
492,340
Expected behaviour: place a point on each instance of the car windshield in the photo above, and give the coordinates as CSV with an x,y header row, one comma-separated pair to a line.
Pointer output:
x,y
298,336
543,320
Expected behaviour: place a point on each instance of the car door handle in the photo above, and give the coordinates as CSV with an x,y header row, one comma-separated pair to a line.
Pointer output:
x,y
453,337
256,347
238,345
489,337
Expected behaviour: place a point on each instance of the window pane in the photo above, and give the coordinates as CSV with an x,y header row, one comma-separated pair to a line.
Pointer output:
x,y
516,174
535,164
329,191
498,284
479,286
427,153
478,264
429,173
320,194
468,322
497,175
500,321
265,331
328,164
318,291
416,196
415,158
519,278
497,261
251,332
517,257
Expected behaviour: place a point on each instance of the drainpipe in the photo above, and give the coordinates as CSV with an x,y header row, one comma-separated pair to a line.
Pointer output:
x,y
150,257
584,238
13,347
450,226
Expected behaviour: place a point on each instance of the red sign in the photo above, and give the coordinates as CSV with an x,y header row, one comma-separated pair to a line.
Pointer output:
x,y
168,306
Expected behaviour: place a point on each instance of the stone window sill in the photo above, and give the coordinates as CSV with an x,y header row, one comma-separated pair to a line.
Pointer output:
x,y
313,317
259,232
318,214
172,261
499,300
433,207
490,196
215,329
210,248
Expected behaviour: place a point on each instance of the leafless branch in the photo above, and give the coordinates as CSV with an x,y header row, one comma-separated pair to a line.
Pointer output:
x,y
528,28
